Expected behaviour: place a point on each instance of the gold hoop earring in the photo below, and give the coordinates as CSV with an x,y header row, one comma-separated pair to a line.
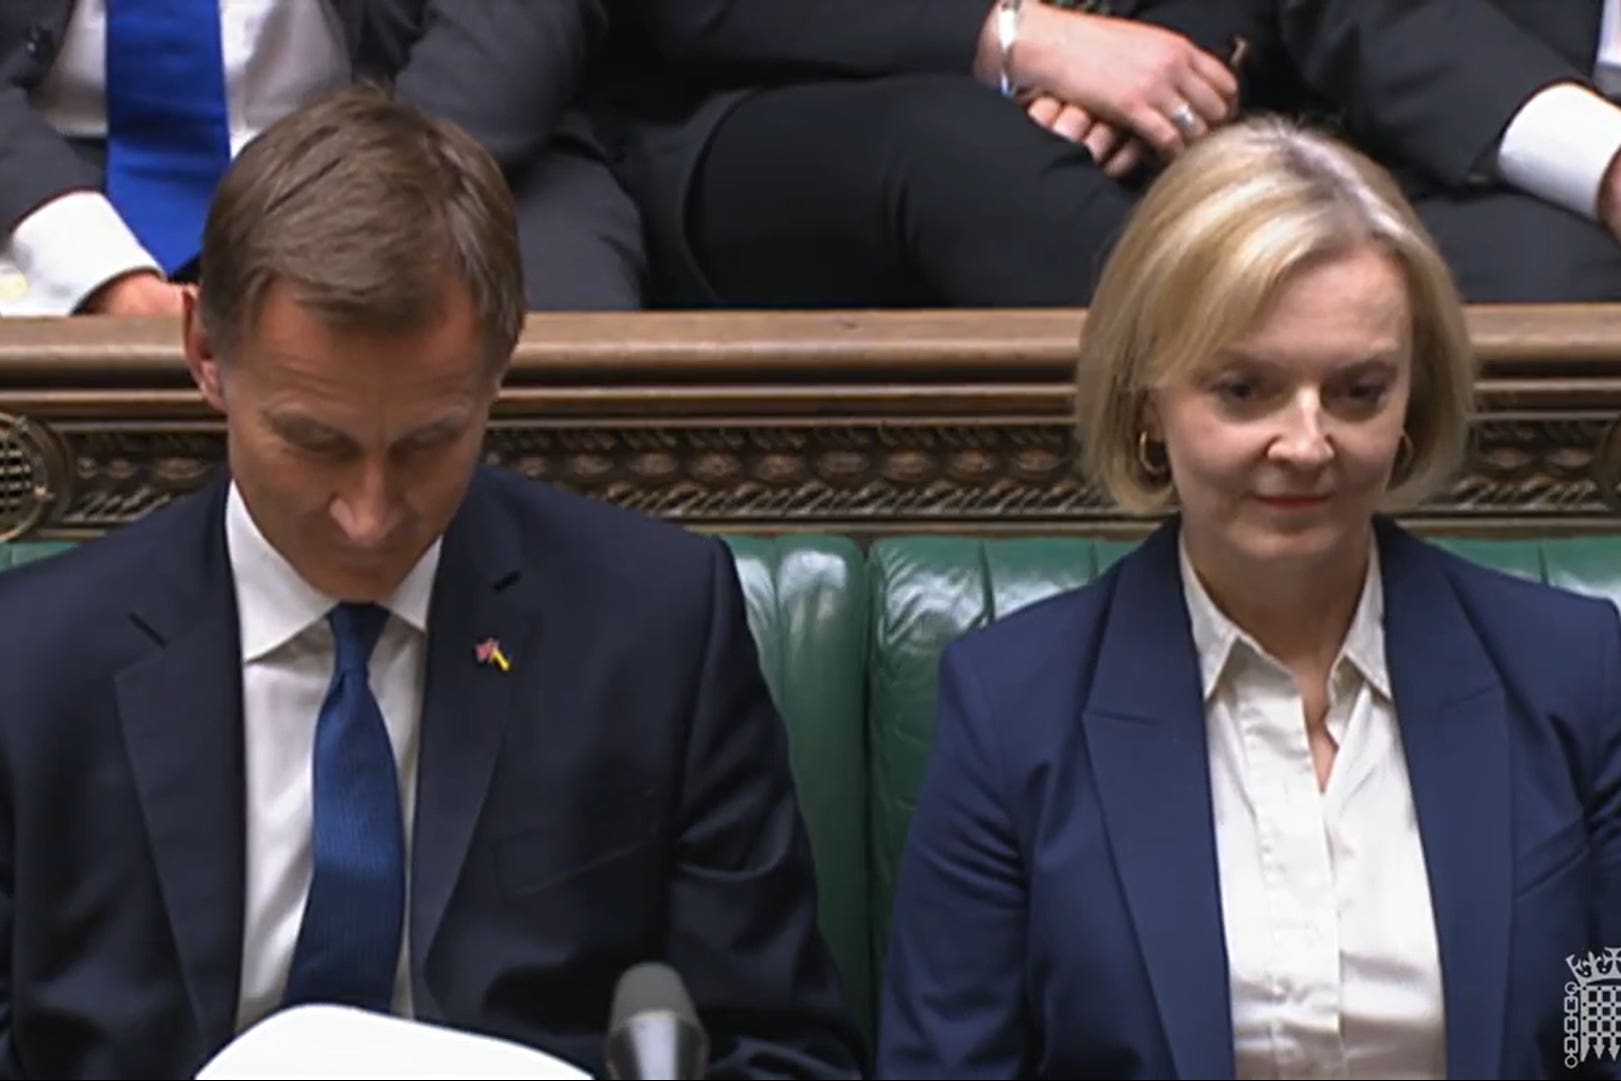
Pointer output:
x,y
1157,472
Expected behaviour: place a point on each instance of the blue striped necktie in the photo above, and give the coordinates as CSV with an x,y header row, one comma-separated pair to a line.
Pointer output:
x,y
168,136
349,942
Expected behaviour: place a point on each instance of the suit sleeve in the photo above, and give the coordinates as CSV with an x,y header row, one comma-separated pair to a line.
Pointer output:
x,y
953,1002
1429,83
742,927
505,72
36,162
773,40
55,226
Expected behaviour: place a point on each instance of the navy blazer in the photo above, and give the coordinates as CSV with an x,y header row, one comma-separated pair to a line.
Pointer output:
x,y
1058,912
622,793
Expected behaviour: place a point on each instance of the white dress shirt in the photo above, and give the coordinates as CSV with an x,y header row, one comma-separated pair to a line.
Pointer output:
x,y
1561,142
1332,958
278,54
287,661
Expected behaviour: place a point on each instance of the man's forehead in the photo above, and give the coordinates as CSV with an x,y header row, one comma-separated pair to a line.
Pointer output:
x,y
287,307
383,366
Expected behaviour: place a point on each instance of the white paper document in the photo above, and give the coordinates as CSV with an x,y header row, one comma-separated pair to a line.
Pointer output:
x,y
337,1043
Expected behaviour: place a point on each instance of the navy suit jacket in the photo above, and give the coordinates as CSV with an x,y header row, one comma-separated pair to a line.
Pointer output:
x,y
622,793
1058,910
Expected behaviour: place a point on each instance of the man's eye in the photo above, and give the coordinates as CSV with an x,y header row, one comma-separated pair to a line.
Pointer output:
x,y
323,446
427,441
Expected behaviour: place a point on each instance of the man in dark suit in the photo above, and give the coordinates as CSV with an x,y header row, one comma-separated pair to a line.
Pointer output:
x,y
365,723
1493,113
100,160
850,153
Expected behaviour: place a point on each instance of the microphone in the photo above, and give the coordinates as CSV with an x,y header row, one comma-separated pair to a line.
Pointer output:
x,y
653,1031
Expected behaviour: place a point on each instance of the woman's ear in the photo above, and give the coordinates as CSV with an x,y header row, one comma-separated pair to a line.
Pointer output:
x,y
1148,418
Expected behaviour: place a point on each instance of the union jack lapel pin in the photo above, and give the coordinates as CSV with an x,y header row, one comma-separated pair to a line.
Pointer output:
x,y
489,652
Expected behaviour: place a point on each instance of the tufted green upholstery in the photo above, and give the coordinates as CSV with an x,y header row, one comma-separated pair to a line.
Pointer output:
x,y
17,553
806,607
849,644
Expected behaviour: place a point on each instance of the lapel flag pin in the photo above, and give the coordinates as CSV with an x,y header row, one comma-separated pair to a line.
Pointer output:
x,y
489,652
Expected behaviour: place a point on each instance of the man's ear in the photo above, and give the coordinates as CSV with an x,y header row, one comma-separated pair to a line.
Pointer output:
x,y
499,376
200,356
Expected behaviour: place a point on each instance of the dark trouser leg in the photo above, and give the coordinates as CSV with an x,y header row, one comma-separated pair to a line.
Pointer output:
x,y
910,190
580,235
1505,247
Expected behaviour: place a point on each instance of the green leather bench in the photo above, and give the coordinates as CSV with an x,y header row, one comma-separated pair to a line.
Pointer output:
x,y
849,640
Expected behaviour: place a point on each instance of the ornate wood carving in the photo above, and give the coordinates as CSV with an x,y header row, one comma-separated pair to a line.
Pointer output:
x,y
870,423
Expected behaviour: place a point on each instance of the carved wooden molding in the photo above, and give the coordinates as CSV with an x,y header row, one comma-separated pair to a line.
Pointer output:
x,y
867,477
946,421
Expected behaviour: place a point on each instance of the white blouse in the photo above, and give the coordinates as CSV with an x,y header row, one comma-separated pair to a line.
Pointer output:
x,y
1330,934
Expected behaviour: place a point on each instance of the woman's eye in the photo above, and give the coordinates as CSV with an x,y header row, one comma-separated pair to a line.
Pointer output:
x,y
1367,391
1238,391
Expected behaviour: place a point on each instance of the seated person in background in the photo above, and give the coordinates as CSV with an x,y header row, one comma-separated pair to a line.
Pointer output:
x,y
117,118
1492,114
843,152
365,723
1287,792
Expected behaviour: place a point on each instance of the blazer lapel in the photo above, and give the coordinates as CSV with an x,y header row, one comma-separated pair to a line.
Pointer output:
x,y
1145,732
467,704
1454,723
181,711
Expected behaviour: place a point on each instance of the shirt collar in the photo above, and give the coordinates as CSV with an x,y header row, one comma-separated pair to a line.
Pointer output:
x,y
275,603
1365,639
1215,635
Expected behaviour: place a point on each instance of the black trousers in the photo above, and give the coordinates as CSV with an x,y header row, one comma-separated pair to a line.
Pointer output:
x,y
1506,247
916,190
934,191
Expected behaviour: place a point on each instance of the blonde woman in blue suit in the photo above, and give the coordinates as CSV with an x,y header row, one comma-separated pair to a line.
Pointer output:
x,y
1288,792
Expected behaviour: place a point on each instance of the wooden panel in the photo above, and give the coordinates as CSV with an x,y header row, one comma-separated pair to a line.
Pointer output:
x,y
868,422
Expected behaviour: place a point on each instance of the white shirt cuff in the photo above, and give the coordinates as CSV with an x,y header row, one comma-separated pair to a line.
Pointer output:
x,y
61,253
1559,146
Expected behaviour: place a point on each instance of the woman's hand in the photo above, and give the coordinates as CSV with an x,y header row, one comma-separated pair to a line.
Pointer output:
x,y
1140,79
1116,155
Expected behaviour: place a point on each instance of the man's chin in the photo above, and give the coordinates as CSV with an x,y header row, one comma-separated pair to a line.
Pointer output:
x,y
362,580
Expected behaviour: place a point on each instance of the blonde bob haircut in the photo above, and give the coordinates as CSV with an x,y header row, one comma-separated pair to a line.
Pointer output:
x,y
1203,254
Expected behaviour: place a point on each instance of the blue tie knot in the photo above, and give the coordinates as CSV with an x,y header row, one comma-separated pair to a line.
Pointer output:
x,y
355,630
